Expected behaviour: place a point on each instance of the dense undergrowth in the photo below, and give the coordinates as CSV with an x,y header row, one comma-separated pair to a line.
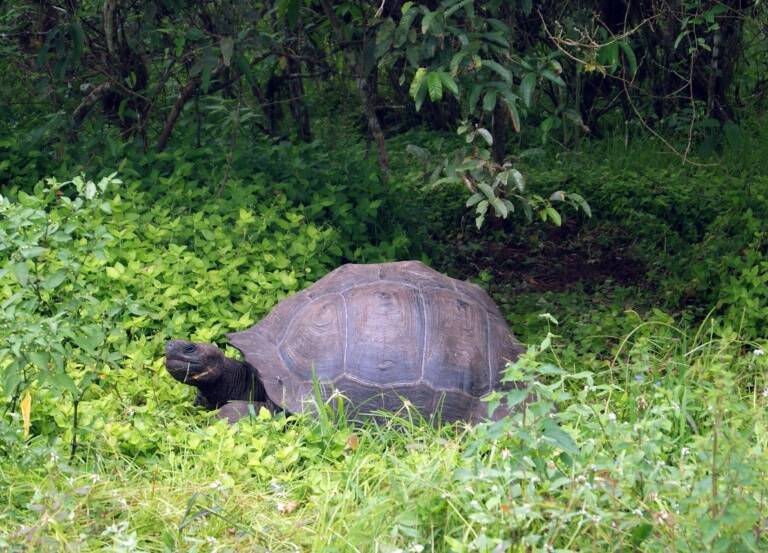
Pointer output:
x,y
658,441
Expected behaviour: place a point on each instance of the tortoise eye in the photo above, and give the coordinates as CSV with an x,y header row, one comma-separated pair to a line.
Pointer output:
x,y
190,348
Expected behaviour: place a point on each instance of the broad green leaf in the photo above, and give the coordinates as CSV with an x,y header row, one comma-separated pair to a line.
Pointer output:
x,y
550,76
12,300
548,368
486,135
39,359
733,134
629,54
554,215
609,54
714,11
516,397
435,86
21,271
499,26
30,252
526,88
486,189
456,60
563,440
420,95
449,83
581,202
208,63
227,45
418,151
489,100
499,207
413,55
54,280
401,33
116,271
426,21
450,11
474,199
289,9
557,196
195,34
78,39
640,533
519,179
514,115
482,207
42,55
90,339
12,376
528,210
680,37
62,382
496,67
447,180
497,39
384,39
368,57
90,190
416,83
242,65
474,96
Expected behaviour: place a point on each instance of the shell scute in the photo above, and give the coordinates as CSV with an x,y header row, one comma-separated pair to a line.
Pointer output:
x,y
478,295
274,324
315,339
414,273
367,398
457,344
343,278
385,333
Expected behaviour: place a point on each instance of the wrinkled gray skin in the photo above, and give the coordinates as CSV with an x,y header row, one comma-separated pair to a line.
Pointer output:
x,y
221,382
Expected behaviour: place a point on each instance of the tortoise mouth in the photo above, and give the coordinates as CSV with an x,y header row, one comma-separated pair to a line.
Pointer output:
x,y
184,370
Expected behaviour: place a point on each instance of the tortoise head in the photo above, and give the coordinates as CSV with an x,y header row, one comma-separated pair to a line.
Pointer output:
x,y
193,363
218,379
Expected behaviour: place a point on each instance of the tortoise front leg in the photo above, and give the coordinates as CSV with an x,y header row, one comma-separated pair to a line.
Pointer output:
x,y
233,411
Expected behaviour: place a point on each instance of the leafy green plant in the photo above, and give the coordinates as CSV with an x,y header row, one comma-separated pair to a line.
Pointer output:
x,y
55,330
495,188
604,467
478,62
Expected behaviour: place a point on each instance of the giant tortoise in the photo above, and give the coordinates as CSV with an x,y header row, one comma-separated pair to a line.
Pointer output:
x,y
380,334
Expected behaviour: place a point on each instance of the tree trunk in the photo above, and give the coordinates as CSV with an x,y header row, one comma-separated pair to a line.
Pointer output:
x,y
170,122
363,90
297,101
374,125
499,130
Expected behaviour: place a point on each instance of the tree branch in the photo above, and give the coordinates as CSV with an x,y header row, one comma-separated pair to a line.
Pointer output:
x,y
184,96
82,110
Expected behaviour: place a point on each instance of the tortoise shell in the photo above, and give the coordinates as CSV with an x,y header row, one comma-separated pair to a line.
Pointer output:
x,y
381,334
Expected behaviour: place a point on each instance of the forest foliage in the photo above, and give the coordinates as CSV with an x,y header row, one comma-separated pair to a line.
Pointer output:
x,y
175,169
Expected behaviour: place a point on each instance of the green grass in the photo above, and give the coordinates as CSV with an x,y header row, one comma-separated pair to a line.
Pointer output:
x,y
675,460
649,433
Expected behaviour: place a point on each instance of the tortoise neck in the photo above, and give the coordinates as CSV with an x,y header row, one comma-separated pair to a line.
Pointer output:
x,y
239,382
